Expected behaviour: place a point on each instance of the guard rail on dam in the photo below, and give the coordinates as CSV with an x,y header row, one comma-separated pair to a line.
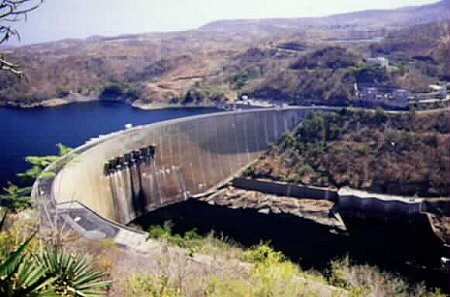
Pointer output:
x,y
121,176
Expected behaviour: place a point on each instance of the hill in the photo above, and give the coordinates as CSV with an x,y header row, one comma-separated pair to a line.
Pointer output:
x,y
203,66
405,16
383,153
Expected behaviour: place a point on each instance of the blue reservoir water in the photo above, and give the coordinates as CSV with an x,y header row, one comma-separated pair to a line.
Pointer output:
x,y
26,132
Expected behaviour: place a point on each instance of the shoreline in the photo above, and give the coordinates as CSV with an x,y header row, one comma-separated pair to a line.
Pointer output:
x,y
57,102
158,106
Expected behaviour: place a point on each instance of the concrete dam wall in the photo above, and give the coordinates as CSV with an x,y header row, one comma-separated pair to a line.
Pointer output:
x,y
129,173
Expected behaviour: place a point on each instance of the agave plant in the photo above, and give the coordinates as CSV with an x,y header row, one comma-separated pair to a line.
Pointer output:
x,y
50,273
20,276
3,219
74,274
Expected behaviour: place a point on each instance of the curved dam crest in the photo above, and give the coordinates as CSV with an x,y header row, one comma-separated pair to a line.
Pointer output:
x,y
126,174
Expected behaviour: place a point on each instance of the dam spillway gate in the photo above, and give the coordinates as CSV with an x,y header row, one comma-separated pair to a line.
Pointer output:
x,y
126,174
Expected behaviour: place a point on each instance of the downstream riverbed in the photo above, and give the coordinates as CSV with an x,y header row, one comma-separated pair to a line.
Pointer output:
x,y
36,131
409,251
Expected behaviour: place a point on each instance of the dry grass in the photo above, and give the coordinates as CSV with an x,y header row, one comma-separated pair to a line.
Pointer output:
x,y
216,268
364,280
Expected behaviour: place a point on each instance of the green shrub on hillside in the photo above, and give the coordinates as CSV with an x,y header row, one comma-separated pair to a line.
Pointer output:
x,y
14,198
204,95
333,57
150,286
365,280
403,154
271,275
190,240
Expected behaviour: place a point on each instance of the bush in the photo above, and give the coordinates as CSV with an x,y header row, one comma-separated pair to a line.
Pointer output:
x,y
50,272
365,280
199,95
191,240
271,275
121,91
399,149
150,286
248,172
333,57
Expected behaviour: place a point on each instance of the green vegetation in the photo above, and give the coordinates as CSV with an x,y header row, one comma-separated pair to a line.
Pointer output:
x,y
273,275
121,91
73,274
151,286
398,154
204,95
364,280
50,272
315,76
369,74
190,240
328,57
15,198
269,273
29,268
39,163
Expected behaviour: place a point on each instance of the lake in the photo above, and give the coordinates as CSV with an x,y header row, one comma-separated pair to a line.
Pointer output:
x,y
26,132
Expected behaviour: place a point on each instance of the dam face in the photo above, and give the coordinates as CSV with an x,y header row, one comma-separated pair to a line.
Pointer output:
x,y
129,173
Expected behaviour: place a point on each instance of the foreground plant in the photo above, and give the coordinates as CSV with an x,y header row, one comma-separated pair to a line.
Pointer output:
x,y
51,272
14,198
39,163
20,276
25,271
74,273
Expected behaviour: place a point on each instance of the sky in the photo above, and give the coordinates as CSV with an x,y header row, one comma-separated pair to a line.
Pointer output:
x,y
60,19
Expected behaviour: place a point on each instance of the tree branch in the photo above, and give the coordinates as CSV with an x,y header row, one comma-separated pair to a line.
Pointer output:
x,y
10,67
13,11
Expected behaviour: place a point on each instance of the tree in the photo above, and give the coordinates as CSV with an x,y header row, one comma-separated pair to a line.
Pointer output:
x,y
15,198
13,11
51,271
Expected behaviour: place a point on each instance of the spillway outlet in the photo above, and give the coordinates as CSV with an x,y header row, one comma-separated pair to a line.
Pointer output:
x,y
132,158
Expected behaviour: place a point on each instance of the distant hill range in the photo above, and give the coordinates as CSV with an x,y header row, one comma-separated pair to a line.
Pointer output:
x,y
405,16
295,60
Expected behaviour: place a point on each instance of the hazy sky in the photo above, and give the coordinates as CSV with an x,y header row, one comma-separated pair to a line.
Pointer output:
x,y
58,19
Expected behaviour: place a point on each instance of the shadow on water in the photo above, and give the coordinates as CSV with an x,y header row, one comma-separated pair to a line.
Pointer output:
x,y
396,249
